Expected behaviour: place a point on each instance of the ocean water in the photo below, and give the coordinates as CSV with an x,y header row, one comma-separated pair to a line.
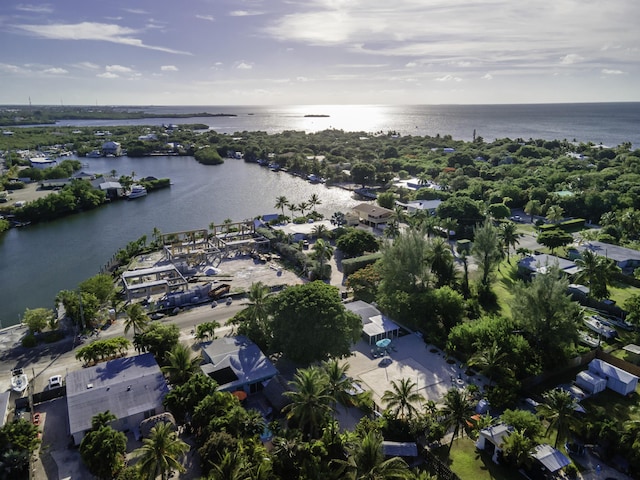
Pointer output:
x,y
602,123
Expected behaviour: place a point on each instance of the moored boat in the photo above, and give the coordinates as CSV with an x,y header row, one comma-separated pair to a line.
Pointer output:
x,y
137,191
601,329
19,380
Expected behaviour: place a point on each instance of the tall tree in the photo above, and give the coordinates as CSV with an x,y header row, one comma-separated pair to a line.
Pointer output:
x,y
555,213
310,323
161,452
281,203
509,236
403,266
490,361
136,319
559,410
103,451
596,272
487,252
310,403
440,260
314,201
181,364
403,398
322,252
456,411
533,208
367,462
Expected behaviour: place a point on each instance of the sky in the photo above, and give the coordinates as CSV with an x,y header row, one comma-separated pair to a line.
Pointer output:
x,y
287,52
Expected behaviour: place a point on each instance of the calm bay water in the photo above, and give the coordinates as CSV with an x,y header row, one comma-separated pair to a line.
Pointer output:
x,y
38,261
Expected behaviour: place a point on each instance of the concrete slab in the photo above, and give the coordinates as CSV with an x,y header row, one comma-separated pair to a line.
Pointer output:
x,y
431,369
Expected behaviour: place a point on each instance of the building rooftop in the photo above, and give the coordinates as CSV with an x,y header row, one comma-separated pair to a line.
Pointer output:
x,y
124,386
615,252
541,263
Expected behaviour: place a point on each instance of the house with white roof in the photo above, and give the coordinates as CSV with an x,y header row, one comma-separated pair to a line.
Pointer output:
x,y
375,325
618,380
532,265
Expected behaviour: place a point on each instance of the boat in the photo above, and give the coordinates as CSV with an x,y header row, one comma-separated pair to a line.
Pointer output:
x,y
94,154
588,340
19,380
137,191
600,328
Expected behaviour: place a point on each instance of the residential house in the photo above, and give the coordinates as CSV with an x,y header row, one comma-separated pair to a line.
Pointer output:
x,y
375,326
236,363
131,388
618,380
532,265
626,258
111,148
414,206
491,439
373,215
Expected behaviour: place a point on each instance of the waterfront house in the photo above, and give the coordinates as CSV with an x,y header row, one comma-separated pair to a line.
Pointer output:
x,y
373,215
414,206
111,148
131,388
236,363
42,162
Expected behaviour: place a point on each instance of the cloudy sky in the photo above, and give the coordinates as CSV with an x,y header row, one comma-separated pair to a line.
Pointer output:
x,y
254,52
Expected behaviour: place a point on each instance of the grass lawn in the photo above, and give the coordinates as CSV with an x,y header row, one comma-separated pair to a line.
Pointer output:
x,y
617,408
468,463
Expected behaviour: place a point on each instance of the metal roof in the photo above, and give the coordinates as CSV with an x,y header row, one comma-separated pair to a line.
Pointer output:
x,y
124,386
552,459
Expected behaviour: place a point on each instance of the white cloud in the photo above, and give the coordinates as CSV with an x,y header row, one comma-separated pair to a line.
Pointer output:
x,y
87,66
93,31
118,68
245,13
169,68
136,11
55,71
487,76
571,59
42,8
108,75
303,79
244,66
209,18
608,71
448,78
411,65
9,68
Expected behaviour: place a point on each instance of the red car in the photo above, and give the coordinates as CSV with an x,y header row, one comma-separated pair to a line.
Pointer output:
x,y
36,419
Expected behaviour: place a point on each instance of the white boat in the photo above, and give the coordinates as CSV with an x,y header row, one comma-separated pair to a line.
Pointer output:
x,y
588,340
137,191
19,380
600,328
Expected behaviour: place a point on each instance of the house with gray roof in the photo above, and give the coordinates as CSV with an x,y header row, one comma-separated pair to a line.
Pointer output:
x,y
236,363
375,325
626,258
132,388
532,265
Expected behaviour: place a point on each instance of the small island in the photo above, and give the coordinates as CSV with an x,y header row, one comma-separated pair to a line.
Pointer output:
x,y
312,115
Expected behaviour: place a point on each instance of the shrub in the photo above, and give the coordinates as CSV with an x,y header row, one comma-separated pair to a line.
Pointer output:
x,y
29,341
351,265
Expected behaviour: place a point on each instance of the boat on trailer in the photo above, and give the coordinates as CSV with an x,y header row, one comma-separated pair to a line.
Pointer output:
x,y
19,380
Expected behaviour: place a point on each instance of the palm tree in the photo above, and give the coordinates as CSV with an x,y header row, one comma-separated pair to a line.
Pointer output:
x,y
366,461
555,213
338,383
303,206
102,419
161,452
517,448
392,230
207,330
157,236
322,252
231,466
181,365
509,236
314,201
490,361
227,224
533,208
338,219
596,272
320,231
559,410
136,318
258,310
310,403
401,399
456,411
440,259
281,203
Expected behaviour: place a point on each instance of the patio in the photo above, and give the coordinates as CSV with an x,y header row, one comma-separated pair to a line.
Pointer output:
x,y
408,357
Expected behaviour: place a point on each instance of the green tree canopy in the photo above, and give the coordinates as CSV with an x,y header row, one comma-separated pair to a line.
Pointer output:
x,y
37,319
103,451
356,242
101,286
363,173
554,238
310,323
159,339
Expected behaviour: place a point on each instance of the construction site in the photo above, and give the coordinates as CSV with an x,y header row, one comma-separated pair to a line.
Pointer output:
x,y
199,266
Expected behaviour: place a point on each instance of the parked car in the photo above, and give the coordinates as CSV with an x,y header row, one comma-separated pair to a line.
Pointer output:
x,y
55,382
